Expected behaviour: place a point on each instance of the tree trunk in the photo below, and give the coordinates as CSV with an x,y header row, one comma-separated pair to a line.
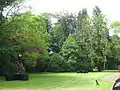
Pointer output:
x,y
104,66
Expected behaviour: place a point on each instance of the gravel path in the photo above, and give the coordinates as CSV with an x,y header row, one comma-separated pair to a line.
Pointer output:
x,y
112,77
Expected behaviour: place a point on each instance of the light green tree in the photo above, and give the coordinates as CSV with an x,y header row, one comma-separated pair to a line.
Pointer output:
x,y
27,35
70,53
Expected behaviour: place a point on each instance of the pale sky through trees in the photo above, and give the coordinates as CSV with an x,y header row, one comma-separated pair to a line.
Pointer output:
x,y
109,7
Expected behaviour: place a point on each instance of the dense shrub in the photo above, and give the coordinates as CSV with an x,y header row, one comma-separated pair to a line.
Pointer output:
x,y
56,63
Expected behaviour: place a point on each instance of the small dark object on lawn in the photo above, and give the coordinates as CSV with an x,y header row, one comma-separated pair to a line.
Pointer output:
x,y
97,83
116,85
78,71
82,71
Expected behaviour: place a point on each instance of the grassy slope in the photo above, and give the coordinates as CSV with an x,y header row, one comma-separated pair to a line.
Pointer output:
x,y
59,81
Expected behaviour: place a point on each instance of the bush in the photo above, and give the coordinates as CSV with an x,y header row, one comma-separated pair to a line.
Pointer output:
x,y
29,60
56,63
17,76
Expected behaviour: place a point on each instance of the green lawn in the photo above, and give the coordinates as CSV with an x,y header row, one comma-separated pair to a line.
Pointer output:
x,y
59,81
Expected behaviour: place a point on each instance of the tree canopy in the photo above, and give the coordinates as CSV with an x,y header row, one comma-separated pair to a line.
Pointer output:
x,y
77,42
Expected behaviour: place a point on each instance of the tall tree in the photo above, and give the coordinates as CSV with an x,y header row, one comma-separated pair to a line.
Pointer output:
x,y
83,38
70,51
65,25
113,59
100,34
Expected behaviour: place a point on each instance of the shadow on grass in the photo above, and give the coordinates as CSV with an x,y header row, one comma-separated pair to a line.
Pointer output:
x,y
2,78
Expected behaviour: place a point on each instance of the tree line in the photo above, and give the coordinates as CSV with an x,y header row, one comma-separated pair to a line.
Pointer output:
x,y
77,41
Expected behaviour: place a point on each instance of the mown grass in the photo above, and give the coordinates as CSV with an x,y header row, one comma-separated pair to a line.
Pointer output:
x,y
59,81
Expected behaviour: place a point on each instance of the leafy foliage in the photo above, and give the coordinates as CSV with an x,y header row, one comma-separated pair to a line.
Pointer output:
x,y
27,35
84,39
78,42
56,63
70,53
101,35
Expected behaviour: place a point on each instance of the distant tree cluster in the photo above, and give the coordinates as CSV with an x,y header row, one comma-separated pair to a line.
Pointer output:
x,y
78,42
